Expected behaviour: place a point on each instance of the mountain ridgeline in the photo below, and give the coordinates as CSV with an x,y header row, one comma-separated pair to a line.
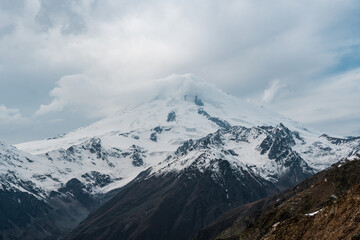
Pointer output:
x,y
169,204
162,169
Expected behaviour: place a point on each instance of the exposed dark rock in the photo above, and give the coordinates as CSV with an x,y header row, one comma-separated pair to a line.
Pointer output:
x,y
230,152
137,159
12,178
265,145
158,129
78,189
171,116
124,134
29,160
183,149
48,157
153,137
217,121
95,147
137,154
198,101
97,179
70,150
339,140
57,137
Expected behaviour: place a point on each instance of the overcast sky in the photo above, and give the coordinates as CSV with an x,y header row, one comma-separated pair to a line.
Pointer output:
x,y
62,62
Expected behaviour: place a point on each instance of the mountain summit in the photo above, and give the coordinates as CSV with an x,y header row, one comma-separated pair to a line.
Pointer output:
x,y
188,104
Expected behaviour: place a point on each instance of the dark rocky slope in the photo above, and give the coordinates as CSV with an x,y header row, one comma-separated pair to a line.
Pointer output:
x,y
24,215
326,206
173,205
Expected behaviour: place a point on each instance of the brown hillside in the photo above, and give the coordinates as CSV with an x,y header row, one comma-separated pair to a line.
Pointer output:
x,y
333,194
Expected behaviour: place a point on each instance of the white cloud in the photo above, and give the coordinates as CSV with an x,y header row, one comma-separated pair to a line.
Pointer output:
x,y
334,98
91,51
9,114
237,45
272,90
86,94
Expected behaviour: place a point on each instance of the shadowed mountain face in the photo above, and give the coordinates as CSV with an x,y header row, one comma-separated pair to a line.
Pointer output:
x,y
24,215
173,205
326,206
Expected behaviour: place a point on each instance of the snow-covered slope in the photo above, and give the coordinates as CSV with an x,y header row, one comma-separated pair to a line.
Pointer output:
x,y
191,101
17,169
276,154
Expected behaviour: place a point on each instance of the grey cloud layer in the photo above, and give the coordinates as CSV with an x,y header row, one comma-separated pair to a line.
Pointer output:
x,y
85,52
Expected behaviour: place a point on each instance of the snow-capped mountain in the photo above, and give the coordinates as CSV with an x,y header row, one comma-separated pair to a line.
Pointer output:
x,y
201,180
142,136
33,207
188,126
